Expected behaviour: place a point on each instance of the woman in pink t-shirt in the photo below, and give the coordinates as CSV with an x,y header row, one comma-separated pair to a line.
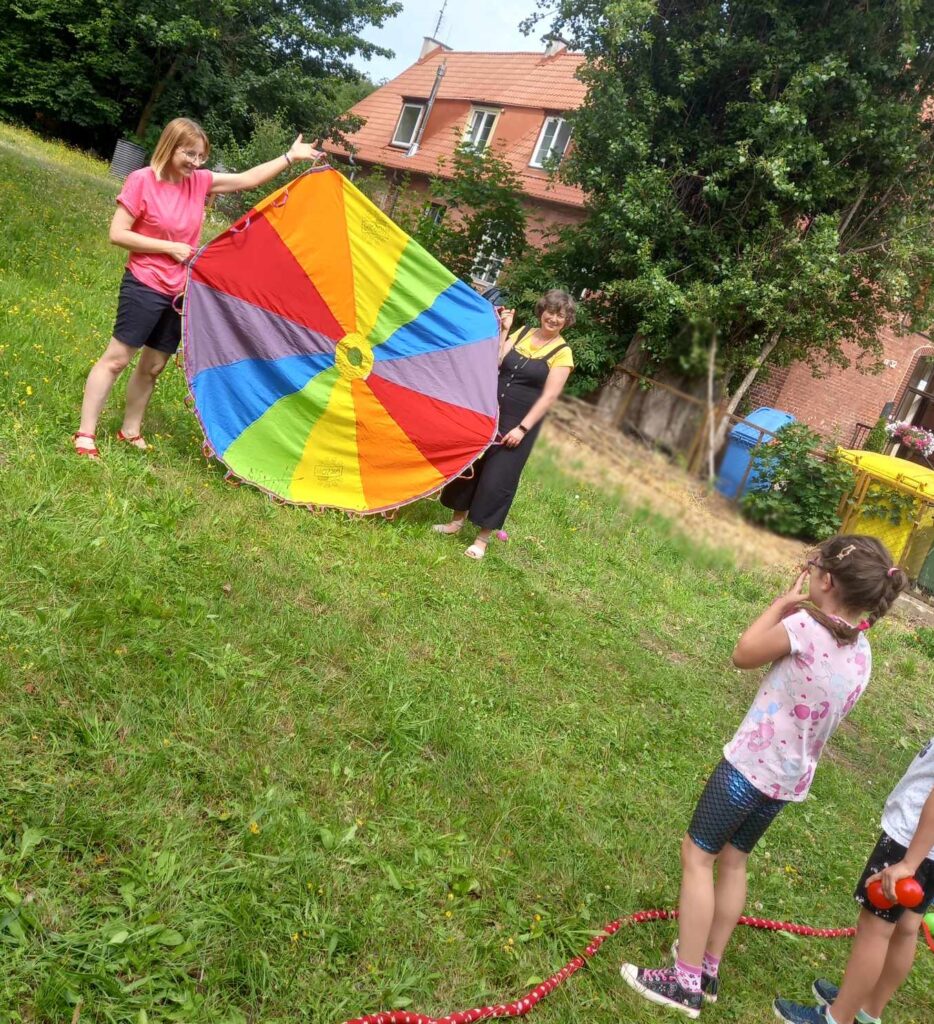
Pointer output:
x,y
159,216
820,664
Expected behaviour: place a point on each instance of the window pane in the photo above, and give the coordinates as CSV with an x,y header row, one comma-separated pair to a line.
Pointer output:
x,y
562,138
544,147
408,124
481,124
554,141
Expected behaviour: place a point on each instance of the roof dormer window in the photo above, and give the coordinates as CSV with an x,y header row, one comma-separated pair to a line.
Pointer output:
x,y
480,127
552,142
410,120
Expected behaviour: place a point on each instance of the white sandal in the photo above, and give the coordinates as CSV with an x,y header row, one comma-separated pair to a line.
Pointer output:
x,y
476,551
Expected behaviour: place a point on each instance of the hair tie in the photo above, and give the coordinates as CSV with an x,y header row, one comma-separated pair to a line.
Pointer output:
x,y
891,572
863,625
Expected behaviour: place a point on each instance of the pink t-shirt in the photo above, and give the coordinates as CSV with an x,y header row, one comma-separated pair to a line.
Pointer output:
x,y
172,210
803,698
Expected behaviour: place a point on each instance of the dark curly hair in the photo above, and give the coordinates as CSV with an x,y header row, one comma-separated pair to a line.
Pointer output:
x,y
557,301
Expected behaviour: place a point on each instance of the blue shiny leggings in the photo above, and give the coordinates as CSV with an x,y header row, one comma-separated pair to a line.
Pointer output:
x,y
731,810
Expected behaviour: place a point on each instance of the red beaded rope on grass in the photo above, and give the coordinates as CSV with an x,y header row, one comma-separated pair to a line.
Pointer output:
x,y
520,1007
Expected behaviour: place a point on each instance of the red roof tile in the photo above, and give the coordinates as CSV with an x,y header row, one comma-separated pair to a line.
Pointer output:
x,y
529,82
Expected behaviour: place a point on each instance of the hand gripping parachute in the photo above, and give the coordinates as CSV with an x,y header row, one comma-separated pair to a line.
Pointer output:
x,y
333,362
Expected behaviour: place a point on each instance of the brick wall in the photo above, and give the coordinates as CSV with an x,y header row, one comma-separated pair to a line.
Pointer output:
x,y
835,403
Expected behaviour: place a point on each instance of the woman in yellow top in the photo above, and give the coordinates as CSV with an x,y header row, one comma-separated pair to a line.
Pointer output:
x,y
534,366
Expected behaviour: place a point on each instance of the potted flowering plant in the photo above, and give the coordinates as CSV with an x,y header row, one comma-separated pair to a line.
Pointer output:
x,y
917,439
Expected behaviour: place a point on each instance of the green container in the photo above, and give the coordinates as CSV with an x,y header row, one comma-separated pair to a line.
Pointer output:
x,y
926,575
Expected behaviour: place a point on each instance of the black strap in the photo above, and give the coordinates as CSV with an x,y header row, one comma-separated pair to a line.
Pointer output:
x,y
524,331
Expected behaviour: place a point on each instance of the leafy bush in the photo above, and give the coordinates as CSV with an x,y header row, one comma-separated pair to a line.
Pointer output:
x,y
878,437
807,484
270,138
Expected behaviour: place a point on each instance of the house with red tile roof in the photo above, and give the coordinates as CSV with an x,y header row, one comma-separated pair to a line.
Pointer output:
x,y
514,102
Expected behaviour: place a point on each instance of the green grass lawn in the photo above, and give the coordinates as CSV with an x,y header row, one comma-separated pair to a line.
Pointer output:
x,y
259,765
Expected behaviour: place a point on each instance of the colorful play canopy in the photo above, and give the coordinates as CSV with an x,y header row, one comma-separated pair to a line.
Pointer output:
x,y
332,360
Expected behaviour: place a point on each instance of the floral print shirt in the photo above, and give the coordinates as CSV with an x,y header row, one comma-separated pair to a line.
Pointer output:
x,y
803,698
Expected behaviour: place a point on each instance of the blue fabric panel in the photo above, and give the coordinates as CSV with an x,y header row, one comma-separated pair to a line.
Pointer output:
x,y
229,398
458,316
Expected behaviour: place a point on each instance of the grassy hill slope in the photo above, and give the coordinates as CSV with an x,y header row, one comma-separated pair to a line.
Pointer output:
x,y
258,765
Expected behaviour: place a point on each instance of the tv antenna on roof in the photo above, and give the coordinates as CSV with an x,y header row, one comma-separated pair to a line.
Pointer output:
x,y
440,19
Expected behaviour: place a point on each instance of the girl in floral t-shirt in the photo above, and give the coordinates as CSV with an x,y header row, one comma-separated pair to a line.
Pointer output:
x,y
820,663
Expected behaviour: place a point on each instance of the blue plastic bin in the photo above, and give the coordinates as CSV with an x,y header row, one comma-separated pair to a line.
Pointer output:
x,y
736,458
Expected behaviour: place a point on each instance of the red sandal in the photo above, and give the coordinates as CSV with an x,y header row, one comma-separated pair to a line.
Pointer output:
x,y
88,453
132,439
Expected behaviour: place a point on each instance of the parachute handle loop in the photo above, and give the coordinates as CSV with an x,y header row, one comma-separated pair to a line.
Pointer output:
x,y
234,230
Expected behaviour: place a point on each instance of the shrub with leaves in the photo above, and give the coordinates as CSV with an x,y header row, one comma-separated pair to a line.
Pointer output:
x,y
878,437
806,486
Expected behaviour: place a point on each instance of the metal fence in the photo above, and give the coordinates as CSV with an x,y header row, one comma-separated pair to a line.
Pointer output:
x,y
697,429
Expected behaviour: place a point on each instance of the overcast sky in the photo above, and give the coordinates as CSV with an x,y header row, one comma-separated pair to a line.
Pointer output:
x,y
467,25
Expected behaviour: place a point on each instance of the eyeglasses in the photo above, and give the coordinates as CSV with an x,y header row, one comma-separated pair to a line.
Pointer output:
x,y
195,158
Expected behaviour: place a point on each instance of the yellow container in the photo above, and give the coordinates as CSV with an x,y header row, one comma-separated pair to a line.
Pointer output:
x,y
909,538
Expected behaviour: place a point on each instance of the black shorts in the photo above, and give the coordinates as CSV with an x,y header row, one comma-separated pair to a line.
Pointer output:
x,y
731,810
146,317
886,853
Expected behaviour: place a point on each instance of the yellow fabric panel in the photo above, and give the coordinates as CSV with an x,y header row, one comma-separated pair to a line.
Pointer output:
x,y
329,470
376,246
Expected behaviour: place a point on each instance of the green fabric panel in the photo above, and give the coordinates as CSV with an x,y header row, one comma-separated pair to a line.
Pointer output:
x,y
267,452
419,280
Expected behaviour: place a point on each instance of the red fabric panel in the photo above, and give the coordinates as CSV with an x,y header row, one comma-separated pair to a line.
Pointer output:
x,y
449,436
255,265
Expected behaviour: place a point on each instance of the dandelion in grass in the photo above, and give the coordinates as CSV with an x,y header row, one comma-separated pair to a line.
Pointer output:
x,y
254,828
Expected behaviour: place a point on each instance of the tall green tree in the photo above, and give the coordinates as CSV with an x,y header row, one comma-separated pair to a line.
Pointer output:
x,y
756,171
91,69
479,196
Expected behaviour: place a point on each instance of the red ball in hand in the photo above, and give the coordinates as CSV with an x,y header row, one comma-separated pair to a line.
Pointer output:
x,y
877,897
909,892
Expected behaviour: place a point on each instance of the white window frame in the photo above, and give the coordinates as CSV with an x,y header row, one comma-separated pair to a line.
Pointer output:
x,y
486,261
406,105
538,158
492,112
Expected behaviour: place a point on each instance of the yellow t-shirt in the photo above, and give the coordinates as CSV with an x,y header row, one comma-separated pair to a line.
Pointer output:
x,y
562,358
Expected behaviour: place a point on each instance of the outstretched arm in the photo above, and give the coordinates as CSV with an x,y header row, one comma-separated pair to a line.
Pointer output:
x,y
262,173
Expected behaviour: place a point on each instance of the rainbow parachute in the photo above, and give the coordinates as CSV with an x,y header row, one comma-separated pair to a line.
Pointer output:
x,y
332,360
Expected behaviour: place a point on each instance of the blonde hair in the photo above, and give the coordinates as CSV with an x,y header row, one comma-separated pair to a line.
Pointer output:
x,y
178,132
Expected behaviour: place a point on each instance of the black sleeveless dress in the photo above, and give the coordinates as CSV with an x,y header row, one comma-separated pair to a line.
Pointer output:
x,y
487,491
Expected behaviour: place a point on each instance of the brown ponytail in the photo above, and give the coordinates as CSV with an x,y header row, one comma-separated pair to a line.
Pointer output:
x,y
861,569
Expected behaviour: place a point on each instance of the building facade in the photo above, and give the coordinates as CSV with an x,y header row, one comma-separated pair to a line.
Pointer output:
x,y
515,103
843,404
